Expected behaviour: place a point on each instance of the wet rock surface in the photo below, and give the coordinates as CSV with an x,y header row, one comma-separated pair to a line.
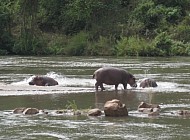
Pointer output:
x,y
150,109
115,108
95,112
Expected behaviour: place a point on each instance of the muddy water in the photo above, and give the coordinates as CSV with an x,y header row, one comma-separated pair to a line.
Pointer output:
x,y
74,75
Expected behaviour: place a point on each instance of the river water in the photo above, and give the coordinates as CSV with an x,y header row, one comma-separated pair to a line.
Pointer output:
x,y
74,75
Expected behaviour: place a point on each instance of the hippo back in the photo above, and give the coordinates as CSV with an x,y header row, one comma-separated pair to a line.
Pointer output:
x,y
43,81
49,81
111,76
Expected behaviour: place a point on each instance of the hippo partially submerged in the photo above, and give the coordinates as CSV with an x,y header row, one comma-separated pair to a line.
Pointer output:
x,y
28,111
113,76
147,82
43,81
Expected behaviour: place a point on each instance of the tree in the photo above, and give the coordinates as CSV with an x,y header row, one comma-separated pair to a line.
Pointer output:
x,y
6,40
29,41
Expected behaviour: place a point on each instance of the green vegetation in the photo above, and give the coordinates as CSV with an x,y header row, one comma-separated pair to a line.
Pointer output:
x,y
72,105
95,27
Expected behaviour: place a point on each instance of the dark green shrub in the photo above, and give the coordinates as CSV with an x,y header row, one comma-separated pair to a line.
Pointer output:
x,y
163,44
3,52
173,14
135,46
6,39
28,45
182,31
187,50
149,14
103,47
178,48
77,44
56,43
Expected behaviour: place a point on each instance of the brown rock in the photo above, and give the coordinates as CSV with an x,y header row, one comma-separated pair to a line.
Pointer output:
x,y
146,105
95,112
115,108
150,109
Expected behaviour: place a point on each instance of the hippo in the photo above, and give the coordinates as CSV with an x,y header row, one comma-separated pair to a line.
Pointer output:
x,y
28,111
184,112
113,76
147,82
43,81
19,110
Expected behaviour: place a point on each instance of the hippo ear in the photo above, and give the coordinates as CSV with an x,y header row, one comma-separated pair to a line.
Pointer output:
x,y
40,78
37,77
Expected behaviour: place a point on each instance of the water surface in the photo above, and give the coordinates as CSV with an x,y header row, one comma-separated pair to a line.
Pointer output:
x,y
74,75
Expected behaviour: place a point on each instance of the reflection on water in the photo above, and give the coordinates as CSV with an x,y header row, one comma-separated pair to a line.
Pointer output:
x,y
74,75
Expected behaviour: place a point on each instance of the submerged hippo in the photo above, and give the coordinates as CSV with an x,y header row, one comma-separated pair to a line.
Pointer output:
x,y
147,82
43,81
28,111
113,76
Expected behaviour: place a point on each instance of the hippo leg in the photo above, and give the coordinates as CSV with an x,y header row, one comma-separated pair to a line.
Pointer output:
x,y
125,86
96,85
101,86
116,86
47,84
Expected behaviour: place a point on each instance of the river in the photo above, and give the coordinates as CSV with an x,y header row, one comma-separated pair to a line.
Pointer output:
x,y
74,75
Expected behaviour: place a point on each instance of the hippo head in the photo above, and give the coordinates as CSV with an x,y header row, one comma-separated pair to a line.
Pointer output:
x,y
37,81
145,83
148,83
132,81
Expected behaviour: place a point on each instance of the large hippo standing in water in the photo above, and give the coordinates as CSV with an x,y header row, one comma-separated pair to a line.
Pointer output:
x,y
113,76
147,82
43,81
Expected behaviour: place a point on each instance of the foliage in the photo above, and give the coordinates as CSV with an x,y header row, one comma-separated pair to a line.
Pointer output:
x,y
56,43
179,48
167,46
163,44
102,47
29,41
6,40
28,45
72,105
77,44
52,15
181,33
95,27
135,46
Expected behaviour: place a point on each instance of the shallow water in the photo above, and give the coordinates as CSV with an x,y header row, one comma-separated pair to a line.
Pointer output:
x,y
74,75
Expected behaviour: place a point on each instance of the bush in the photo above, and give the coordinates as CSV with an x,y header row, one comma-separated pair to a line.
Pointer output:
x,y
56,43
135,46
103,47
163,44
178,48
187,50
167,46
77,44
182,31
28,45
3,52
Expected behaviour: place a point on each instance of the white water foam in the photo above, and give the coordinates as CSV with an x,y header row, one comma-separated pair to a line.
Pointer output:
x,y
78,85
62,80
